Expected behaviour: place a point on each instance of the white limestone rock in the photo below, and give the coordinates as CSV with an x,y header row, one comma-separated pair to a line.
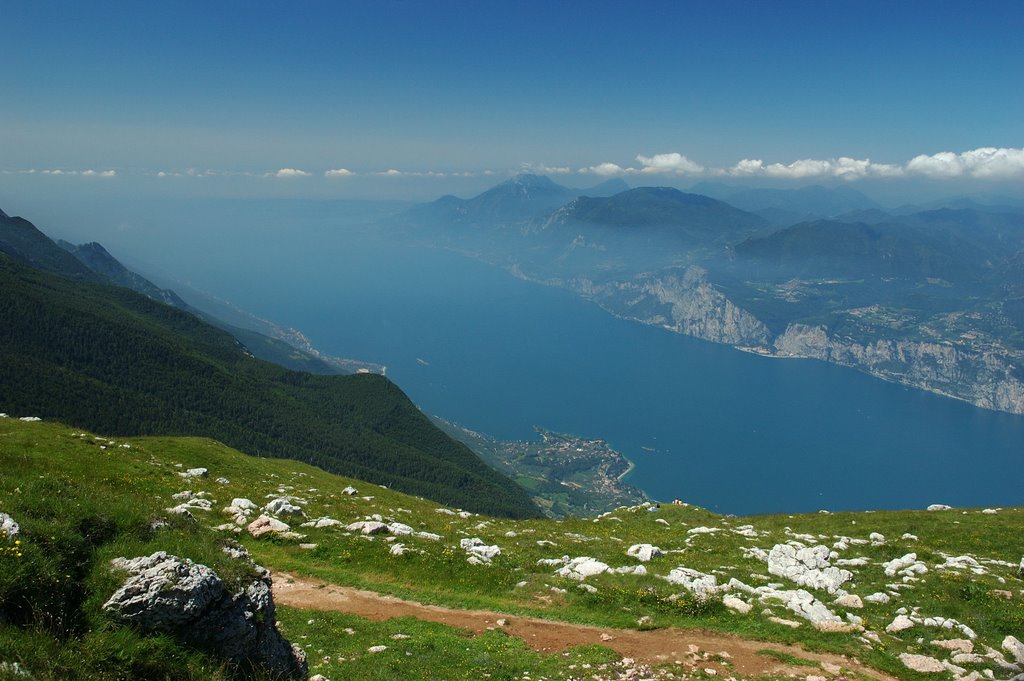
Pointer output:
x,y
283,507
194,504
807,567
479,551
242,504
427,535
736,604
8,527
195,473
322,522
700,584
582,567
901,623
939,507
350,491
165,594
959,645
921,663
1014,647
266,525
879,597
644,552
907,565
369,527
784,622
849,601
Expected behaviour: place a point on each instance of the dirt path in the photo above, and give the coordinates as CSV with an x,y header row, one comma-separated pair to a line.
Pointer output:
x,y
686,646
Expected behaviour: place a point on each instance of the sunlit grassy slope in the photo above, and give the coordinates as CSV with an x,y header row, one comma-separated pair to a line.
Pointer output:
x,y
82,500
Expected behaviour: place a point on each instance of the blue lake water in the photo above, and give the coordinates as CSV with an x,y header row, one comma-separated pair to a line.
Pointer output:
x,y
733,432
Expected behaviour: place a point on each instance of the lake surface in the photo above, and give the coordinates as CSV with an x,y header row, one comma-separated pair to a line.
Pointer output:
x,y
732,432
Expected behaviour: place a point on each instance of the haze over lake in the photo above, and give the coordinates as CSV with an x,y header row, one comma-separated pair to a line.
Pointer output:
x,y
730,431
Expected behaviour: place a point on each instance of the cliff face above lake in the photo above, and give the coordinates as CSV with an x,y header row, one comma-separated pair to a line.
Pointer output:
x,y
684,302
984,379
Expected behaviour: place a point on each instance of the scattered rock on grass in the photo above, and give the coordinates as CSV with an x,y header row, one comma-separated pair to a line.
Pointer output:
x,y
701,585
643,552
582,567
921,663
736,604
266,525
478,550
8,527
1012,645
959,645
283,507
901,623
849,601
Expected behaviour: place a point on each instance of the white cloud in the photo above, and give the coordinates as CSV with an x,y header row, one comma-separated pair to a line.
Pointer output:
x,y
799,169
984,162
339,172
60,172
843,167
607,169
748,166
544,169
669,163
290,172
391,172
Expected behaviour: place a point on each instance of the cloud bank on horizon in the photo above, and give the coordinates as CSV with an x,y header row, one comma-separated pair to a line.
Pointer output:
x,y
983,163
1001,163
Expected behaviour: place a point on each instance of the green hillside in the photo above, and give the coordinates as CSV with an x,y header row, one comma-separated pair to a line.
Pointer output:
x,y
82,500
109,359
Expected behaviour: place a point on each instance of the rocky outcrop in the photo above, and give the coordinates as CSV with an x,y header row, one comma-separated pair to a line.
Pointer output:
x,y
985,379
807,566
167,594
698,309
684,302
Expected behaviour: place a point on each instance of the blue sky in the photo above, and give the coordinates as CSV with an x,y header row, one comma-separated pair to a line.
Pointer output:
x,y
221,97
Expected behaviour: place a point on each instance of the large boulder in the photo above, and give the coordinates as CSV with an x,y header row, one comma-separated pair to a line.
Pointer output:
x,y
170,595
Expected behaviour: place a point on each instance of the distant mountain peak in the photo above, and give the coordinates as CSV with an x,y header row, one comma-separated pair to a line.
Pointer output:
x,y
530,180
3,215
